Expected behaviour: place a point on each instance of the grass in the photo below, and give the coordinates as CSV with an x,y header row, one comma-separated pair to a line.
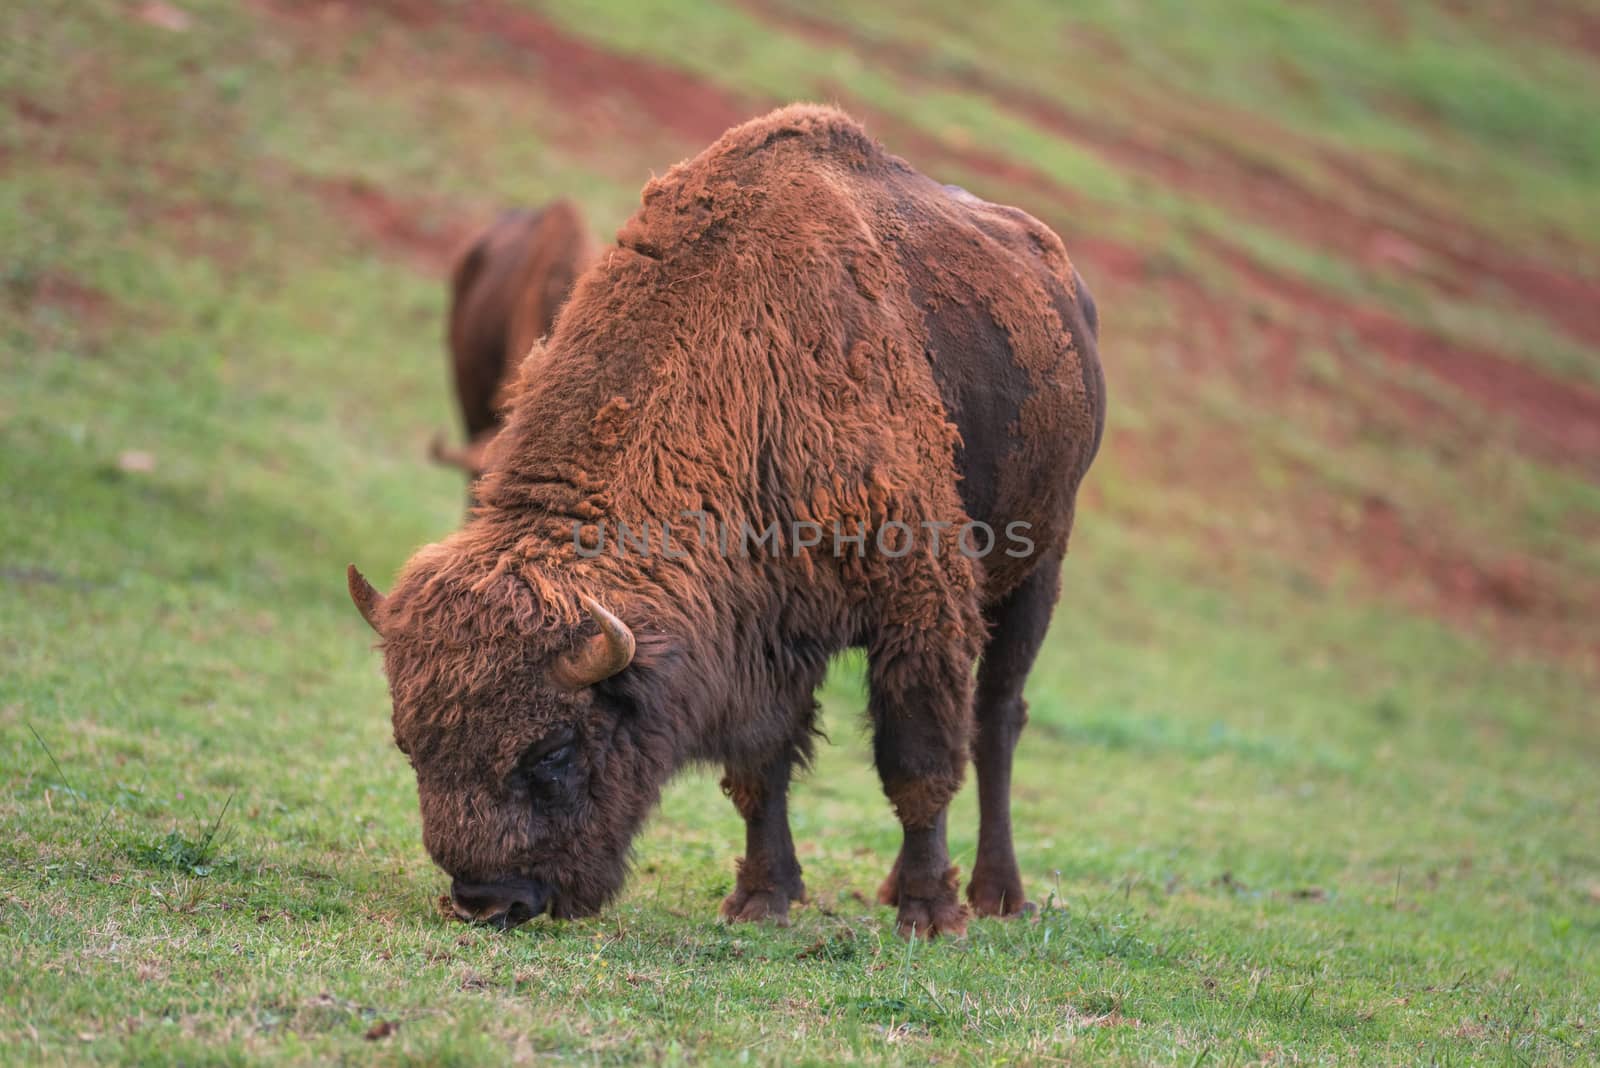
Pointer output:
x,y
1272,811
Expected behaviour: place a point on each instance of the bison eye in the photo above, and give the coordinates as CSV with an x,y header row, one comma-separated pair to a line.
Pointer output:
x,y
545,767
556,760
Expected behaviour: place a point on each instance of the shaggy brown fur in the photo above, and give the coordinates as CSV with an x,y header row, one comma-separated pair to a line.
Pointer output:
x,y
794,326
504,295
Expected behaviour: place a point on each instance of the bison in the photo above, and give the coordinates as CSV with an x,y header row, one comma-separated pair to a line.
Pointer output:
x,y
795,333
504,294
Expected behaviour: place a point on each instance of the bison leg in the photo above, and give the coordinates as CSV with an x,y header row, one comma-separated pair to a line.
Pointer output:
x,y
1017,627
920,711
769,874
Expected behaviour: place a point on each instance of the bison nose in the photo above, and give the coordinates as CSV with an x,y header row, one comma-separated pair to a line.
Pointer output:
x,y
499,904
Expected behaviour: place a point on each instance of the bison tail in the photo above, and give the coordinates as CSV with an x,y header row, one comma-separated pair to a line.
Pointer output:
x,y
468,458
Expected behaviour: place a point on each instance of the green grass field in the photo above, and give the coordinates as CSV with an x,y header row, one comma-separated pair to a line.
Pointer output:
x,y
1310,776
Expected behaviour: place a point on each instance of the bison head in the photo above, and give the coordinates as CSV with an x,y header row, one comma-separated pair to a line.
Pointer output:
x,y
532,782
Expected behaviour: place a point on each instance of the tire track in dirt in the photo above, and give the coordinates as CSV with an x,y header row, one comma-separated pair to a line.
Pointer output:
x,y
1398,554
1561,419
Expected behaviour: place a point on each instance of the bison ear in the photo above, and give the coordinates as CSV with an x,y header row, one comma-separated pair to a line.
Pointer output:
x,y
368,600
656,656
654,652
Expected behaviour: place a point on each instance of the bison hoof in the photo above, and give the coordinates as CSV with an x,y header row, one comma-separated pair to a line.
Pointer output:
x,y
750,906
997,897
930,907
931,917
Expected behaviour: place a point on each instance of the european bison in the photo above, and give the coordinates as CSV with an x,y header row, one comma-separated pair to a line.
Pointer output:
x,y
504,294
803,341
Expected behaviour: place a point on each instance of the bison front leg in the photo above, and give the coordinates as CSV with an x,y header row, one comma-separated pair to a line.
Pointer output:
x,y
769,875
920,713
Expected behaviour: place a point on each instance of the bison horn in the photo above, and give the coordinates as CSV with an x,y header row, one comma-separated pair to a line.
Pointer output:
x,y
367,599
602,656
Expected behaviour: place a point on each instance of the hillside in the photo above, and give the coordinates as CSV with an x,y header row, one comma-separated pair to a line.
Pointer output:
x,y
1309,773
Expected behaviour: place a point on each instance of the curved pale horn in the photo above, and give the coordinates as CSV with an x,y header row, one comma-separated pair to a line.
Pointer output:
x,y
367,599
602,656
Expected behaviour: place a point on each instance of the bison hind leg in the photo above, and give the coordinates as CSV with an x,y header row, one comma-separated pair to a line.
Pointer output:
x,y
1017,627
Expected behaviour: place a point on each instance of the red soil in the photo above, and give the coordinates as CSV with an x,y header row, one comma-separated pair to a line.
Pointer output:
x,y
1398,554
74,311
1560,418
83,303
1561,24
427,235
31,111
570,69
522,44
